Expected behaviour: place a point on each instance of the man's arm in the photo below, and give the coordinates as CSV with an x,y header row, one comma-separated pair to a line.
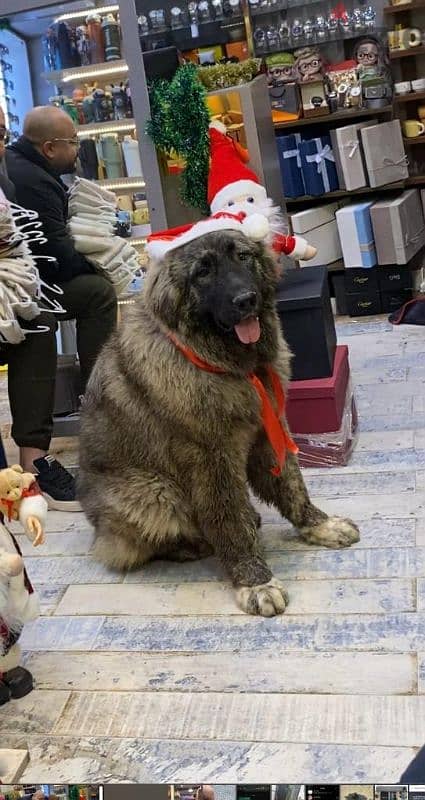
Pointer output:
x,y
48,204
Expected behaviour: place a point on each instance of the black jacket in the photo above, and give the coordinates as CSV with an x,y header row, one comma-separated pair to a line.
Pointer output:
x,y
39,188
8,188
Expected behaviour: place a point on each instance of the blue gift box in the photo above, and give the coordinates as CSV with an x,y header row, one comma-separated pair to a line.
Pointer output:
x,y
290,165
356,235
318,166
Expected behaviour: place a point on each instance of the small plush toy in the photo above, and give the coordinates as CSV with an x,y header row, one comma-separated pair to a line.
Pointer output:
x,y
234,188
20,498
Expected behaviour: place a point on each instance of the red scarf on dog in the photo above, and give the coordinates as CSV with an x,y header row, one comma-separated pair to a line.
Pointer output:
x,y
278,437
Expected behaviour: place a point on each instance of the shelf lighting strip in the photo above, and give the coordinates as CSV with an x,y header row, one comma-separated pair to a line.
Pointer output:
x,y
137,242
94,73
86,13
102,128
116,185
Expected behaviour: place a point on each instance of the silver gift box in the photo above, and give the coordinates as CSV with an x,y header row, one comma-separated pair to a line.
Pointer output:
x,y
398,227
349,160
385,157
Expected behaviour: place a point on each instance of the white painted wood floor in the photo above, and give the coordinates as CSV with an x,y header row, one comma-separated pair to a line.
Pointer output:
x,y
157,677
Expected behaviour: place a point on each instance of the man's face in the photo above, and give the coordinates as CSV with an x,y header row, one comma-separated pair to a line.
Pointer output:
x,y
62,149
3,134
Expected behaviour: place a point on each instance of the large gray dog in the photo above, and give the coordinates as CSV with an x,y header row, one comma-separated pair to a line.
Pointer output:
x,y
173,430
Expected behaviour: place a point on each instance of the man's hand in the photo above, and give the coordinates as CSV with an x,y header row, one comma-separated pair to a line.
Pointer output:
x,y
35,529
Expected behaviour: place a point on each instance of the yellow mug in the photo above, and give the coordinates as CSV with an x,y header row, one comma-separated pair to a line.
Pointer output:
x,y
413,128
421,112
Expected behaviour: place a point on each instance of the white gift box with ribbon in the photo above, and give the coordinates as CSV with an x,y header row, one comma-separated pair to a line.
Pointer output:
x,y
399,228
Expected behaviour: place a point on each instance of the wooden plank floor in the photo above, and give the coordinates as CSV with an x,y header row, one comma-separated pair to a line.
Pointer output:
x,y
157,676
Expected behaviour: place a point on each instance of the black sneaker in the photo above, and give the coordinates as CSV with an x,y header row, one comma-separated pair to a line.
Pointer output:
x,y
56,484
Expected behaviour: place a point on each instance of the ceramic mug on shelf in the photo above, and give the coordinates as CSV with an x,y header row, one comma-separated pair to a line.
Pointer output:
x,y
402,87
418,85
415,37
421,113
413,128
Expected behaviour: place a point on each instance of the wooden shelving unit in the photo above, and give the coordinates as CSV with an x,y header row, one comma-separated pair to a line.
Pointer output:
x,y
76,74
398,9
410,97
341,193
411,52
337,116
414,140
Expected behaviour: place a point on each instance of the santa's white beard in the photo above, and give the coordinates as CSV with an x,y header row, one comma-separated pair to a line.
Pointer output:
x,y
277,221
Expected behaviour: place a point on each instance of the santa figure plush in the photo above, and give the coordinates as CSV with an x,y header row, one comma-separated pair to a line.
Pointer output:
x,y
234,188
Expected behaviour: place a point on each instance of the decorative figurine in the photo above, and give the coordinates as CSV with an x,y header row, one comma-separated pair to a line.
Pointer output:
x,y
119,100
83,44
280,69
308,64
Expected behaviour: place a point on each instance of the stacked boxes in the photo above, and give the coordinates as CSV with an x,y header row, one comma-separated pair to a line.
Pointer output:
x,y
320,405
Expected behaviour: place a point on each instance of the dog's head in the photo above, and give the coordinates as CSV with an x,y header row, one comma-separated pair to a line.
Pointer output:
x,y
222,284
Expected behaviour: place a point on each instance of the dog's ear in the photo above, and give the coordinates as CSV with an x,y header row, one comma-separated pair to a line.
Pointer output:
x,y
162,292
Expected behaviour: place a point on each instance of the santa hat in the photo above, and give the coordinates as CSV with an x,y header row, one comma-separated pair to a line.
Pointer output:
x,y
228,176
255,226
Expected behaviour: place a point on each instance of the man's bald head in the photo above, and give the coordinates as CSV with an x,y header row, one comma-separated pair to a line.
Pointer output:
x,y
45,123
53,134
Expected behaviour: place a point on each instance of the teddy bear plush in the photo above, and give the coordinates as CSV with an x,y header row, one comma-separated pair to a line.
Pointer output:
x,y
20,499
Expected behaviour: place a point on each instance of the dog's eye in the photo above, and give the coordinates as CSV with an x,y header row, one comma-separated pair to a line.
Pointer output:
x,y
203,271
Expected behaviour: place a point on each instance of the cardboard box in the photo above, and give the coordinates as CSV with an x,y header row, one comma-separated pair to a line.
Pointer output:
x,y
349,159
385,157
356,235
318,226
316,406
399,228
285,97
237,50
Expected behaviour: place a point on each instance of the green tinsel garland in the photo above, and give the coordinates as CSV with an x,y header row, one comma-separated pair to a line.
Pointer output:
x,y
179,122
224,76
73,793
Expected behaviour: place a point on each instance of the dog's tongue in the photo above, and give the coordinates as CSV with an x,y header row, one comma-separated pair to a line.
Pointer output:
x,y
248,331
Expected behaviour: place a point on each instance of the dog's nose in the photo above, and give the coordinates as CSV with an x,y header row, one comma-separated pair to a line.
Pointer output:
x,y
245,302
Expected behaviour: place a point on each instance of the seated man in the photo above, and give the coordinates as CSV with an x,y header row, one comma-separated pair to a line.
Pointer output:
x,y
31,384
35,163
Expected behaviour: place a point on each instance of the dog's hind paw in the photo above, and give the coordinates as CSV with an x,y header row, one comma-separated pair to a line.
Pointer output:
x,y
266,599
332,532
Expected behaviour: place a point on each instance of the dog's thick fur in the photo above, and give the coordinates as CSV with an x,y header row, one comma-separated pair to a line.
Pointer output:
x,y
168,450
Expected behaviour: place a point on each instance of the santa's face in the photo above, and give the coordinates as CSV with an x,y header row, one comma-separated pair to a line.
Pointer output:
x,y
250,205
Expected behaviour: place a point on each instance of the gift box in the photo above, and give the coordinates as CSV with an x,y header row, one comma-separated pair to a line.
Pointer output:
x,y
318,226
318,166
356,235
394,278
331,449
399,228
386,160
366,303
305,313
316,406
393,299
349,160
313,98
290,165
285,97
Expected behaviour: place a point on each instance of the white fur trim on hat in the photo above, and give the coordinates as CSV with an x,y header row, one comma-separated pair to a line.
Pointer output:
x,y
234,190
218,125
158,248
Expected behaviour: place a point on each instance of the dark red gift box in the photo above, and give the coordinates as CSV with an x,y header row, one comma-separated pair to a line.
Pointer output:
x,y
316,406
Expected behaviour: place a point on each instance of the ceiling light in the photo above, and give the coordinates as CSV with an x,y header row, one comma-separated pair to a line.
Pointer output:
x,y
103,127
86,13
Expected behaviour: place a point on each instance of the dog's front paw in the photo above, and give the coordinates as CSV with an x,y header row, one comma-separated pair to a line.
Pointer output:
x,y
266,599
332,532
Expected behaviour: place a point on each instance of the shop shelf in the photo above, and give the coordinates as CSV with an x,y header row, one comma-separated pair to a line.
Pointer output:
x,y
335,117
404,7
112,126
411,52
75,74
340,193
308,42
416,180
414,140
410,97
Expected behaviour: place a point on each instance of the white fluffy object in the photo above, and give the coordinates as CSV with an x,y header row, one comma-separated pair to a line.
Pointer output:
x,y
256,226
33,506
